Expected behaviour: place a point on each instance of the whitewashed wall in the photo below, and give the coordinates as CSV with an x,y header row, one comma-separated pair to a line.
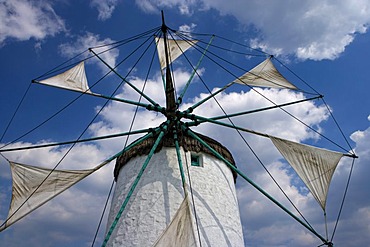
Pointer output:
x,y
159,194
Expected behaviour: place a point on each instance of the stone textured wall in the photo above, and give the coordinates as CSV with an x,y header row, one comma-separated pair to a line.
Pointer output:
x,y
160,193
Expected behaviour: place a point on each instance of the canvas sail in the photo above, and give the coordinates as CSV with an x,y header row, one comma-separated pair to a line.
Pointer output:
x,y
72,79
175,49
315,166
180,231
265,75
26,182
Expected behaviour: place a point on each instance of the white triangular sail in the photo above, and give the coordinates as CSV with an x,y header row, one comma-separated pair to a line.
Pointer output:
x,y
175,49
72,79
26,179
180,231
265,75
315,166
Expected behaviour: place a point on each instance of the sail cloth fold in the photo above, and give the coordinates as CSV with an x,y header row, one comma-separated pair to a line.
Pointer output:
x,y
175,49
265,75
72,79
28,194
315,166
180,231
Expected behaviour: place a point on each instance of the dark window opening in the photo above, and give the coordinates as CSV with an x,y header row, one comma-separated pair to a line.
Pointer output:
x,y
195,160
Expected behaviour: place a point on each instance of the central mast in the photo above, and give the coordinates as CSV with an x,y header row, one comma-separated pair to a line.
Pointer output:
x,y
170,91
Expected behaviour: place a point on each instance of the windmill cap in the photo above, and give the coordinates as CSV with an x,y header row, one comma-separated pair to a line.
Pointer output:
x,y
188,143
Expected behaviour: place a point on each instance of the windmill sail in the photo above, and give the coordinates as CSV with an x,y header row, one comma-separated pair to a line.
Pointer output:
x,y
315,166
72,79
265,75
180,231
175,47
34,186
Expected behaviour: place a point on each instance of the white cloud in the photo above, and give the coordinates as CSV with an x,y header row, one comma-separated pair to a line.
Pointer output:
x,y
259,216
307,29
88,40
26,19
105,8
187,28
152,6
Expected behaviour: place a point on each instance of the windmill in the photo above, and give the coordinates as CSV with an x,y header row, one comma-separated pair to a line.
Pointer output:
x,y
184,206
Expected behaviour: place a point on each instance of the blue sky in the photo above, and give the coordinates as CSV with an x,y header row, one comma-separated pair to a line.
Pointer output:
x,y
324,42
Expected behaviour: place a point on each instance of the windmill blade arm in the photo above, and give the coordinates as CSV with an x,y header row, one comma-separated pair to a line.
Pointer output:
x,y
152,107
200,119
190,109
134,184
265,108
77,141
179,100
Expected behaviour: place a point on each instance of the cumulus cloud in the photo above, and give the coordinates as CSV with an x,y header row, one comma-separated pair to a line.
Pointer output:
x,y
152,6
307,29
26,19
187,28
105,8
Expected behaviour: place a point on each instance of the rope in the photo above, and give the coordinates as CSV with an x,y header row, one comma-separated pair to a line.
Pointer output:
x,y
300,78
189,34
103,213
193,202
326,226
344,197
113,45
200,49
340,129
15,112
59,67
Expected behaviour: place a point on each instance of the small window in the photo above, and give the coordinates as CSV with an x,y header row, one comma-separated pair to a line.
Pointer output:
x,y
196,160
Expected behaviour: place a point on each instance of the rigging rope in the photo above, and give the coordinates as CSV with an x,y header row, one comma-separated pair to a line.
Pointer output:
x,y
103,213
338,126
15,112
113,45
344,197
189,34
199,49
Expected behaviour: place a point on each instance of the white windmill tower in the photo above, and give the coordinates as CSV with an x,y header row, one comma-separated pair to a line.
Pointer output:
x,y
171,190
